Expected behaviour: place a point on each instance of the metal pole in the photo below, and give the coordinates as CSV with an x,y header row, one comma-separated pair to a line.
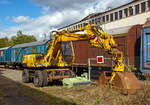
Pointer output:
x,y
141,53
89,72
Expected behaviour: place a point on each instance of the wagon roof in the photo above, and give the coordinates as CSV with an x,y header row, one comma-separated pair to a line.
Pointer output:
x,y
37,43
4,48
119,30
147,23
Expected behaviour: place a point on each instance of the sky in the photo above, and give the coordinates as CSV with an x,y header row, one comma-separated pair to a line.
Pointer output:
x,y
39,17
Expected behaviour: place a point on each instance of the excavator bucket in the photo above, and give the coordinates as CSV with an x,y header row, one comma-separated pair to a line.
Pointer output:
x,y
125,82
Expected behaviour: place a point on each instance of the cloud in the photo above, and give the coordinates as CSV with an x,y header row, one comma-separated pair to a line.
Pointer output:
x,y
81,5
58,13
4,2
103,5
61,5
22,19
3,34
45,24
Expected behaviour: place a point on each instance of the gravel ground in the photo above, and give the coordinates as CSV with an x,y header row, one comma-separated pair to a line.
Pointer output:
x,y
10,92
77,95
14,75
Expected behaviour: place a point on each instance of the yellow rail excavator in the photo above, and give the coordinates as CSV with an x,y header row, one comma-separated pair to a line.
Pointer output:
x,y
57,63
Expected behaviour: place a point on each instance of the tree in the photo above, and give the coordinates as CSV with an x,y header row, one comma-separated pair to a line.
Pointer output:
x,y
3,42
21,38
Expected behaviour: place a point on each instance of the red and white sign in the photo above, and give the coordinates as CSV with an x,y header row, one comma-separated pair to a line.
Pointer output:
x,y
100,59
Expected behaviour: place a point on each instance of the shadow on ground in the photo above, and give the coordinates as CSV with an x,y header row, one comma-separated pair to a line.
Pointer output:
x,y
14,93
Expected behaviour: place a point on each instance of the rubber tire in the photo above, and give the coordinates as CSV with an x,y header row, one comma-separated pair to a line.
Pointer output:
x,y
38,79
45,76
25,76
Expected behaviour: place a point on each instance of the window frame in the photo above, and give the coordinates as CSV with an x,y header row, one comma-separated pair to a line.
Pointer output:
x,y
107,18
99,19
92,21
126,12
137,9
143,7
116,15
131,11
111,17
1,53
120,16
148,4
103,19
96,20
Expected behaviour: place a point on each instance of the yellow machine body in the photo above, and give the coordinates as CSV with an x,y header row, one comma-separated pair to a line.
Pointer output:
x,y
54,56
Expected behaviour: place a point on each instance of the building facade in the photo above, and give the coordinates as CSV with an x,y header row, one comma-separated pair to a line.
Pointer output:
x,y
135,12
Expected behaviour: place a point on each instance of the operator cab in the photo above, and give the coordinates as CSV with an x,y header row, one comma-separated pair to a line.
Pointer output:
x,y
67,51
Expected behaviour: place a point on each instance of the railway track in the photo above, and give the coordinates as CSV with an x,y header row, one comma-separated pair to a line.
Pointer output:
x,y
10,68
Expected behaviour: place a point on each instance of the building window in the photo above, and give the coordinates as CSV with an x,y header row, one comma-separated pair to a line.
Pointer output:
x,y
84,25
137,9
111,17
149,4
92,21
78,25
103,19
33,50
107,17
95,20
120,14
99,20
131,11
24,50
126,12
143,7
1,53
116,15
17,52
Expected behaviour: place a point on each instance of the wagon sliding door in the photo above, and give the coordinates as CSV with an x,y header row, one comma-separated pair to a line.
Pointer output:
x,y
145,50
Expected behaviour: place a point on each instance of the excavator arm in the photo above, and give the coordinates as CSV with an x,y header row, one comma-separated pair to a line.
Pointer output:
x,y
94,35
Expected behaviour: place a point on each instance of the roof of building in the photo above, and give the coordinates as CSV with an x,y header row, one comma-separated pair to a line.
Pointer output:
x,y
30,44
97,14
4,48
119,30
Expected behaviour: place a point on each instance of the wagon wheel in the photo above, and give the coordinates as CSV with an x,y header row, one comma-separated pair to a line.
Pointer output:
x,y
38,79
25,76
45,76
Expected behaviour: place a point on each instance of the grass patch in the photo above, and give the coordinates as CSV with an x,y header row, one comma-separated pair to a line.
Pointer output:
x,y
87,95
